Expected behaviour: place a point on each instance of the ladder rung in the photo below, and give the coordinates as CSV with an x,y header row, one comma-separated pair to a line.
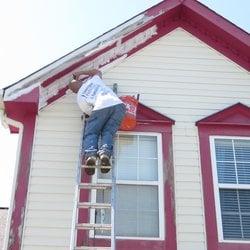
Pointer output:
x,y
92,248
96,166
85,166
93,205
88,226
95,186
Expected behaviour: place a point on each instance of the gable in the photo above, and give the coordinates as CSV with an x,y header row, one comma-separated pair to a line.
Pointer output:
x,y
238,114
132,36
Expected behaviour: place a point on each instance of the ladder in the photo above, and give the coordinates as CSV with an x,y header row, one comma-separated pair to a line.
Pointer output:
x,y
75,227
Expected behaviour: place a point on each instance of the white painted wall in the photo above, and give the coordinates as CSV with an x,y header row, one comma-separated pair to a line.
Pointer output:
x,y
178,76
52,177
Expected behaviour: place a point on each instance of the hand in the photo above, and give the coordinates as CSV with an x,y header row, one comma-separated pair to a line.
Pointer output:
x,y
74,77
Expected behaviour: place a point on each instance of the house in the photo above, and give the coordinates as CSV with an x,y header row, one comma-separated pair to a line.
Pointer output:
x,y
183,173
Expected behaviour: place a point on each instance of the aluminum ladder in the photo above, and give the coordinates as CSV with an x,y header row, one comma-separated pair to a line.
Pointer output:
x,y
89,205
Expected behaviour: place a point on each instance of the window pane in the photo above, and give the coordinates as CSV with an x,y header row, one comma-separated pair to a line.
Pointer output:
x,y
147,146
148,225
243,171
235,211
246,226
136,211
126,168
226,172
148,170
244,196
231,226
230,214
224,150
242,150
127,146
233,161
229,201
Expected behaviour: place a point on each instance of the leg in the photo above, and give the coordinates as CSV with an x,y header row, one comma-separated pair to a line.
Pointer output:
x,y
108,132
92,131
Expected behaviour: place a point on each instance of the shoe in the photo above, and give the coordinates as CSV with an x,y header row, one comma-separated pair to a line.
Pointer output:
x,y
105,162
90,161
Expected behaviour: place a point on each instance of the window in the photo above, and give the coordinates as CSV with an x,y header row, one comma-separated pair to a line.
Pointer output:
x,y
139,209
231,171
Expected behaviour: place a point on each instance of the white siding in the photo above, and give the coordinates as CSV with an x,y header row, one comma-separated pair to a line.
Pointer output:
x,y
180,77
52,177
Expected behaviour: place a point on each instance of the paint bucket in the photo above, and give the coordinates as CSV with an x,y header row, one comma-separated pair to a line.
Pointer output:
x,y
129,120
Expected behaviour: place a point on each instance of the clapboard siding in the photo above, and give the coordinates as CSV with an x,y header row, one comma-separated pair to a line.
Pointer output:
x,y
52,177
178,76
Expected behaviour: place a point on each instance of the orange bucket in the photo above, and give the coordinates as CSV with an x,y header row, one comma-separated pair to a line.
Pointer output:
x,y
129,120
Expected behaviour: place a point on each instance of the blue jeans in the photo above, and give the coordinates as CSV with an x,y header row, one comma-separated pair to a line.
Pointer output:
x,y
102,123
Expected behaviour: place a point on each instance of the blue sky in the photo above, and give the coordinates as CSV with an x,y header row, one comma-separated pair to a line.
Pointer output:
x,y
35,33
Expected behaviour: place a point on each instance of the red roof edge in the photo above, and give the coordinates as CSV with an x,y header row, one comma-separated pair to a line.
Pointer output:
x,y
219,21
237,114
145,114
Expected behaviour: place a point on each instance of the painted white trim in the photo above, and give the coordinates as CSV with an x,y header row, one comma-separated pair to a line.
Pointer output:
x,y
216,189
19,125
160,188
216,186
135,183
234,186
127,238
158,183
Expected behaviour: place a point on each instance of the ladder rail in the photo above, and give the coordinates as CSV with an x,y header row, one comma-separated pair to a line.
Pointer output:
x,y
77,193
113,205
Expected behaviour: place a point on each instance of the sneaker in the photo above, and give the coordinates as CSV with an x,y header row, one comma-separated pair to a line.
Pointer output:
x,y
90,161
105,162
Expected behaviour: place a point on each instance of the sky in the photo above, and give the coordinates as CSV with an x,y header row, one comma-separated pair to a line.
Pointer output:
x,y
35,33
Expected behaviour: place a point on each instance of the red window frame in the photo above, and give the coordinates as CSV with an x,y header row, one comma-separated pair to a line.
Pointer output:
x,y
232,121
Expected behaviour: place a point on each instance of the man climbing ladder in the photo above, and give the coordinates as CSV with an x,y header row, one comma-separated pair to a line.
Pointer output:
x,y
105,112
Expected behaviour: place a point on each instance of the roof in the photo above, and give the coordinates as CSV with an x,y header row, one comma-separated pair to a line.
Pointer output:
x,y
119,43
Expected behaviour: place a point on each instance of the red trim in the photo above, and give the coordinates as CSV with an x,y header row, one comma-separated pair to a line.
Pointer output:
x,y
24,110
60,93
217,20
192,16
150,121
237,114
219,124
75,65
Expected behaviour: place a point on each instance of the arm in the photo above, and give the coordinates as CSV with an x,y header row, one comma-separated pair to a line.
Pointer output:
x,y
90,72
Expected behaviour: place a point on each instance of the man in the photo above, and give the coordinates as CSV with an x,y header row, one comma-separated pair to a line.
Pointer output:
x,y
105,111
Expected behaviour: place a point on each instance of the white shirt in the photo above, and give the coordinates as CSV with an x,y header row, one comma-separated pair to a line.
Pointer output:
x,y
95,95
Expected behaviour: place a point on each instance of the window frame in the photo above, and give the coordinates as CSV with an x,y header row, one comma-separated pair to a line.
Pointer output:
x,y
230,121
159,184
217,186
